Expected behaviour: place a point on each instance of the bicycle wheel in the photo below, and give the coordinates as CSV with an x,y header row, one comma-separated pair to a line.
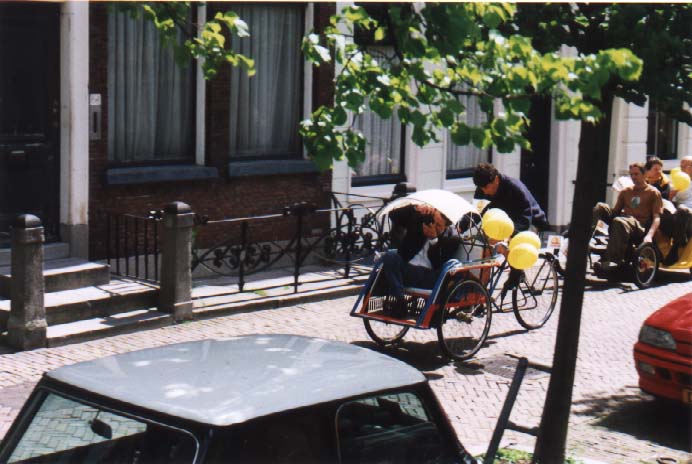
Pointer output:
x,y
464,320
645,264
384,334
535,298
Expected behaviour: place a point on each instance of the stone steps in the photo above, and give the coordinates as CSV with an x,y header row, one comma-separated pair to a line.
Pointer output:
x,y
99,327
56,250
63,274
91,302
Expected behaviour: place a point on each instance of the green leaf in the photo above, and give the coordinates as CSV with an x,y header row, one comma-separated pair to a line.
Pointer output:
x,y
461,135
380,33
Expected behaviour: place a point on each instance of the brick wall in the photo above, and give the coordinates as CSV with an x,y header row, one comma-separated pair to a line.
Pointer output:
x,y
219,198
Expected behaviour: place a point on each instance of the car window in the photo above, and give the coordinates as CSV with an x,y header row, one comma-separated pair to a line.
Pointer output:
x,y
67,431
386,429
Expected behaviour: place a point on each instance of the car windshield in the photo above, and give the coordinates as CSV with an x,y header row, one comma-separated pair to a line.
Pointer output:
x,y
66,430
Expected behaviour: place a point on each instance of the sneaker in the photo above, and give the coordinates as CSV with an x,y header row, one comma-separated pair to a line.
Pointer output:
x,y
395,307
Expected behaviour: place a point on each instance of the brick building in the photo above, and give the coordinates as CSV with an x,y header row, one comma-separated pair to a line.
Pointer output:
x,y
98,117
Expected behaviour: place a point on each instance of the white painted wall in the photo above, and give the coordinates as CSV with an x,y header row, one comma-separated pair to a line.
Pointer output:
x,y
74,114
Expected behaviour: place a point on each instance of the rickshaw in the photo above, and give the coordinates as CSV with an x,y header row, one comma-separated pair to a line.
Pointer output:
x,y
467,291
644,259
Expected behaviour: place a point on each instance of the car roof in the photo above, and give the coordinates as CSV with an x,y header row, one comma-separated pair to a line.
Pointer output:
x,y
230,381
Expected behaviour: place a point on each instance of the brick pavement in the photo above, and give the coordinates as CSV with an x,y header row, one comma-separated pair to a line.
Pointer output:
x,y
606,422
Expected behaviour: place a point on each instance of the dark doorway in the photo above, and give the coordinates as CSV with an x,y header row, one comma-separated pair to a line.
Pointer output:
x,y
535,164
29,114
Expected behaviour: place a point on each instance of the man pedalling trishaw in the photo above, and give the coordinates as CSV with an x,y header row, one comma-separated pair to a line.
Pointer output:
x,y
460,305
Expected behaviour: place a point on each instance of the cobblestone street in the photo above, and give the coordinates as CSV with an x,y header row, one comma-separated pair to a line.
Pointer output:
x,y
612,421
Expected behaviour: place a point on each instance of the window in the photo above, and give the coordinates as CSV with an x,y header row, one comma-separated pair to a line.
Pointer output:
x,y
389,428
64,430
265,110
462,160
384,152
150,98
662,134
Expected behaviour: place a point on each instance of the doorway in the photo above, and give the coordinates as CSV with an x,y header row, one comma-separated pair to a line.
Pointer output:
x,y
29,114
535,163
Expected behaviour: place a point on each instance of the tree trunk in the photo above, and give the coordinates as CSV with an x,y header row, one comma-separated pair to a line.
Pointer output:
x,y
552,433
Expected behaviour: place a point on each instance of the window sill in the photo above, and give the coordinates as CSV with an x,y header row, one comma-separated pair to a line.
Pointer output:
x,y
156,174
270,167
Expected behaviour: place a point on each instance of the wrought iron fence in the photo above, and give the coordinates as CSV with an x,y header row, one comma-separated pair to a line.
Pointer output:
x,y
130,244
344,235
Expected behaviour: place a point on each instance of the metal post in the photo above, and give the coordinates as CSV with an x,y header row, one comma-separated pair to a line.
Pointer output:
x,y
503,420
349,236
176,248
299,251
26,326
241,256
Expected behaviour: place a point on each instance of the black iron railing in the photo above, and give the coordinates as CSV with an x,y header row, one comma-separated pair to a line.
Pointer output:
x,y
130,244
337,237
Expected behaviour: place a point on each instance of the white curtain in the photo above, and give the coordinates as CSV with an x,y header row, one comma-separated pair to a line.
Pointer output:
x,y
468,156
265,109
150,98
383,149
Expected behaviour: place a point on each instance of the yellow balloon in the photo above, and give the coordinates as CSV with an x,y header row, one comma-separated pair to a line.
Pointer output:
x,y
522,256
493,213
498,227
525,237
680,181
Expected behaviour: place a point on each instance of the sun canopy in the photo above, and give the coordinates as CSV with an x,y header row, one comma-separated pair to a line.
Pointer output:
x,y
451,205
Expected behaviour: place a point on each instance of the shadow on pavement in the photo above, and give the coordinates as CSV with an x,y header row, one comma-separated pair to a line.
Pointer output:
x,y
666,423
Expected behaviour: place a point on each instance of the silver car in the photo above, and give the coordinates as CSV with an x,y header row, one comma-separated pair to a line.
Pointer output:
x,y
250,399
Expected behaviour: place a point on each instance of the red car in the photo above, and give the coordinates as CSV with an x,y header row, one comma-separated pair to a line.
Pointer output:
x,y
663,354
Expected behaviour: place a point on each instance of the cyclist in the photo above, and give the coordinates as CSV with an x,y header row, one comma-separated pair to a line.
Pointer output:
x,y
514,198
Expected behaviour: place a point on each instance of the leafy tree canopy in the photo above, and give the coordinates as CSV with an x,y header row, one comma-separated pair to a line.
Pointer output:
x,y
440,54
660,33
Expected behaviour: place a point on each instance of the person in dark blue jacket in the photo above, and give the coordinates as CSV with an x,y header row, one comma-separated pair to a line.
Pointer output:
x,y
510,195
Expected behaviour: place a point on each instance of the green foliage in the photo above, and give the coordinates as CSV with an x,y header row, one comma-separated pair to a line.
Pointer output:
x,y
512,456
442,54
659,33
172,20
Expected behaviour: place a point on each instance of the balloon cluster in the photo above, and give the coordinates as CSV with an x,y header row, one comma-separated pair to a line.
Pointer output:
x,y
680,180
523,250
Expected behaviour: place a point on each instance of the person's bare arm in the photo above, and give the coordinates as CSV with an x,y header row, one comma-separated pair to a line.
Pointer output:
x,y
619,205
652,230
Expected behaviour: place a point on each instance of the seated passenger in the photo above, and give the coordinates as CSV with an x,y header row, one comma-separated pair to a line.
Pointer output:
x,y
679,225
656,178
634,218
428,242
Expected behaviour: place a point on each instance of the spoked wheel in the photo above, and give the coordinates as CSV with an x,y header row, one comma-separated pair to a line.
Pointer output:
x,y
464,320
645,264
384,334
535,298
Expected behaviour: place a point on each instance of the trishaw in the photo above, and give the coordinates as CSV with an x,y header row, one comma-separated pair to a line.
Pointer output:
x,y
644,259
461,304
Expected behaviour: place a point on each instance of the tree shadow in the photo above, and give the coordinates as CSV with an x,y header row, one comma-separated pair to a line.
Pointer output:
x,y
641,416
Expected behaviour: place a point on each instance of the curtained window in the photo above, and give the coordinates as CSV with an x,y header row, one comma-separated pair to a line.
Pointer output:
x,y
384,151
461,160
662,134
150,98
265,110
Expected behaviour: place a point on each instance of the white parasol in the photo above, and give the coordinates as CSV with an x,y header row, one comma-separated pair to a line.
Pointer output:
x,y
451,205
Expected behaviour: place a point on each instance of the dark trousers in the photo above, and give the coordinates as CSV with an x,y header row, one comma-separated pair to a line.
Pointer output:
x,y
400,274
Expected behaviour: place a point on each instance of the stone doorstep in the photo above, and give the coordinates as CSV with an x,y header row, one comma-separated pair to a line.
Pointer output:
x,y
63,274
90,302
56,250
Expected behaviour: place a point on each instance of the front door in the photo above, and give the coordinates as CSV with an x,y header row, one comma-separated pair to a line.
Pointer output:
x,y
29,114
535,164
